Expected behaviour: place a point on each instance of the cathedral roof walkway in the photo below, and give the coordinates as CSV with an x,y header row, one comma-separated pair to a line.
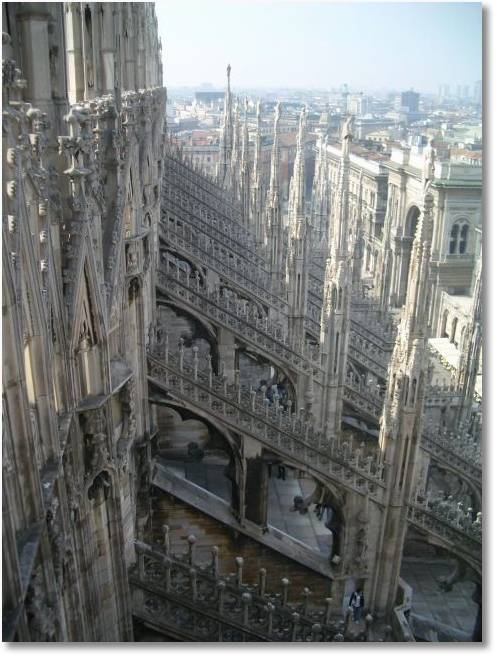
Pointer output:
x,y
284,433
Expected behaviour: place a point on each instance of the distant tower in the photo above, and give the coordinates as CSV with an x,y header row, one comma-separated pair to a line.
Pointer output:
x,y
299,241
226,136
273,217
402,419
336,301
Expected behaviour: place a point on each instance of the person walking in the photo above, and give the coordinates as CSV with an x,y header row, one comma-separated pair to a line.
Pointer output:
x,y
356,602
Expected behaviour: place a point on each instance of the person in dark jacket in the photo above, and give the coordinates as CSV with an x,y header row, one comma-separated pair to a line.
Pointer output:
x,y
356,602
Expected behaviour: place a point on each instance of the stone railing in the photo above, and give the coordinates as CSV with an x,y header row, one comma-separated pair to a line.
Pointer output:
x,y
249,412
192,601
369,328
368,354
176,201
231,313
442,394
224,211
214,192
451,523
247,278
363,399
461,451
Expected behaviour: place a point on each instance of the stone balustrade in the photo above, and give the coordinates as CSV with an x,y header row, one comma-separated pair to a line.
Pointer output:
x,y
269,338
447,519
369,327
208,186
232,313
177,593
214,227
368,354
180,177
459,449
247,278
248,411
362,398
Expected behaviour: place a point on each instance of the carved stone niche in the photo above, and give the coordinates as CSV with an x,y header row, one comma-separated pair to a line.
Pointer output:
x,y
133,257
96,452
100,488
134,288
128,400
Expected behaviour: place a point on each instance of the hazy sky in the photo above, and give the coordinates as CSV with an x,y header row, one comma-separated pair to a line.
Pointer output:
x,y
308,44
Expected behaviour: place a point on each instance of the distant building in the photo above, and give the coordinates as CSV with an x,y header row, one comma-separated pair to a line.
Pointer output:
x,y
208,97
478,92
357,104
408,100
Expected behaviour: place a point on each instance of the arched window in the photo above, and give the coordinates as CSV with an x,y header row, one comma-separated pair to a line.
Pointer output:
x,y
453,331
445,318
453,239
458,238
413,391
463,239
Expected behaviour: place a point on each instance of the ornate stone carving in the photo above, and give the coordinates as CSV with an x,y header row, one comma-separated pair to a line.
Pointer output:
x,y
95,438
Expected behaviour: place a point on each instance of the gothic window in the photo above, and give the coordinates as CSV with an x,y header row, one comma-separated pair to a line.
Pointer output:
x,y
453,239
443,332
413,392
334,297
459,238
336,357
463,239
453,331
392,387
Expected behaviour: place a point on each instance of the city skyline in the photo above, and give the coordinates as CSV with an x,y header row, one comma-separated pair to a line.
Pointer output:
x,y
416,44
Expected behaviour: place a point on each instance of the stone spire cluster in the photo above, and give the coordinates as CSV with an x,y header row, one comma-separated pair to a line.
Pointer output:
x,y
257,190
402,419
244,173
336,304
273,220
226,138
320,200
299,240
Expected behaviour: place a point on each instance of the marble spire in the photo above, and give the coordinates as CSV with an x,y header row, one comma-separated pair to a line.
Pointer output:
x,y
257,190
226,136
337,291
402,420
299,241
273,221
